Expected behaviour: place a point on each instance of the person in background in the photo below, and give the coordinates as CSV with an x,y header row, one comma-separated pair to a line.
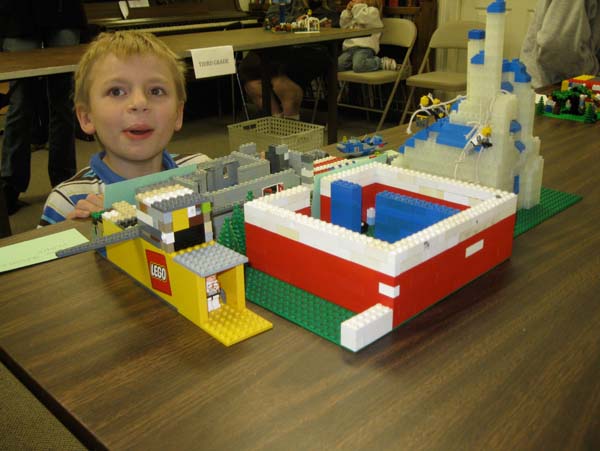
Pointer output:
x,y
291,69
563,41
360,54
27,25
130,93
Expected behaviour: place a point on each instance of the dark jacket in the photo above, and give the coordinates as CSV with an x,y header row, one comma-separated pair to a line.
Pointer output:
x,y
26,18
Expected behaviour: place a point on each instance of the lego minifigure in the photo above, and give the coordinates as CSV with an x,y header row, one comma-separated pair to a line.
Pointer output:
x,y
483,137
213,293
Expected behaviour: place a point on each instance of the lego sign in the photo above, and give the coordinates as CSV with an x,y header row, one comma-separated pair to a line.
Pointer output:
x,y
159,275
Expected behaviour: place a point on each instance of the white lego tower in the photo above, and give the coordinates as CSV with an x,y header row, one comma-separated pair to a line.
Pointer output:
x,y
499,95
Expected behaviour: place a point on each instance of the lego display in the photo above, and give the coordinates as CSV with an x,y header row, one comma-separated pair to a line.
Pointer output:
x,y
463,231
378,243
578,99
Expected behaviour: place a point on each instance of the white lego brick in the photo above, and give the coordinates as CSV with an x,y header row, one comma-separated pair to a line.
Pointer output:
x,y
145,218
366,327
389,291
456,198
473,248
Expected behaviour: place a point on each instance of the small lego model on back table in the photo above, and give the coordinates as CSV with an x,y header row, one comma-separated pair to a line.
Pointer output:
x,y
360,147
578,99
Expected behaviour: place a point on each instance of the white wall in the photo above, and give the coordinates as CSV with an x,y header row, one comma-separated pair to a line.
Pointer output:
x,y
518,15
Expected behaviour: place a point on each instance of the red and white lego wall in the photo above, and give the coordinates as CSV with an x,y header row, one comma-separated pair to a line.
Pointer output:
x,y
357,271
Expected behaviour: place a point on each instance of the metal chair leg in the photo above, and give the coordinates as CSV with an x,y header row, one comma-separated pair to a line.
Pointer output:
x,y
408,103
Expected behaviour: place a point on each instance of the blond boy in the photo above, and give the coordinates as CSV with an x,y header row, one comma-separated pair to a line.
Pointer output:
x,y
129,93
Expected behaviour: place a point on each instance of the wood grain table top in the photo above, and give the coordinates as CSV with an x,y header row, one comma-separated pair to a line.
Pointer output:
x,y
510,361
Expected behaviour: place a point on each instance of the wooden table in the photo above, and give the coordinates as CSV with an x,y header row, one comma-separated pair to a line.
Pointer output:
x,y
511,361
57,60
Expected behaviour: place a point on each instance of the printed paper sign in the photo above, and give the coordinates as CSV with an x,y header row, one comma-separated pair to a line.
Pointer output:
x,y
213,61
38,250
124,9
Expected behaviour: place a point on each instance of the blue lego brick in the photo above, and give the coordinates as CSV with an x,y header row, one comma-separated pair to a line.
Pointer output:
x,y
498,6
520,146
479,58
346,204
515,126
401,148
438,125
507,86
521,75
410,142
476,34
398,216
454,135
516,183
422,134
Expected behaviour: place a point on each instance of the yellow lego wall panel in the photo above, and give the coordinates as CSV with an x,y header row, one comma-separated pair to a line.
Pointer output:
x,y
180,220
186,291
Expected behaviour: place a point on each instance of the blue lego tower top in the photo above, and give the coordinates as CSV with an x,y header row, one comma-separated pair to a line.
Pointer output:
x,y
498,6
476,34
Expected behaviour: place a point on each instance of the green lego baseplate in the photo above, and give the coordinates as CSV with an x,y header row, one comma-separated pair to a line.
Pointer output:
x,y
325,318
298,306
551,203
570,117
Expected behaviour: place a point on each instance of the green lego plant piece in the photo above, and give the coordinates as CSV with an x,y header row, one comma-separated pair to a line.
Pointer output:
x,y
589,116
97,215
551,203
298,306
225,235
239,231
249,196
539,108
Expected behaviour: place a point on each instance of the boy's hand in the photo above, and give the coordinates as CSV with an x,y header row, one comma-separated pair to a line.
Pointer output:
x,y
85,207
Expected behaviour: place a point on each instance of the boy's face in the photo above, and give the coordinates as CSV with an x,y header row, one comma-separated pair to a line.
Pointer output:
x,y
134,110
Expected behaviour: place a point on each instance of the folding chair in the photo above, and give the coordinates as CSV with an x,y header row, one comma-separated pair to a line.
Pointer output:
x,y
396,32
451,35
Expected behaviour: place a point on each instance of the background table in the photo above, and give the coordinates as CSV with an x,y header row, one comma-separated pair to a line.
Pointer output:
x,y
57,60
511,361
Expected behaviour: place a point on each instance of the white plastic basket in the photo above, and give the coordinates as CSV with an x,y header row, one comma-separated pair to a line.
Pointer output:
x,y
299,136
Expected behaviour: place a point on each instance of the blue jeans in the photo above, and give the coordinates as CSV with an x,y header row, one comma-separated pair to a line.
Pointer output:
x,y
359,59
16,154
